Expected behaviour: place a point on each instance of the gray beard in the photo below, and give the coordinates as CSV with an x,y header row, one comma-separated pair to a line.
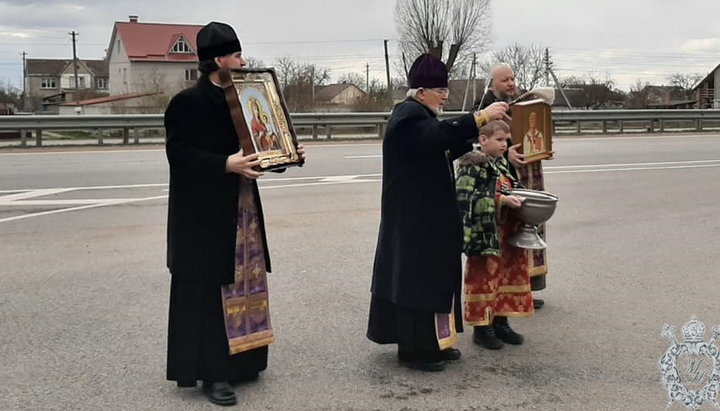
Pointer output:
x,y
503,97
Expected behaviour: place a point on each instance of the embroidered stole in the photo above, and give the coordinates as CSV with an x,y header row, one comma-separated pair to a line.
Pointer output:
x,y
245,302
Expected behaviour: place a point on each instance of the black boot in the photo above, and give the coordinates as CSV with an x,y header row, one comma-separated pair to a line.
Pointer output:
x,y
505,333
450,354
220,393
423,361
485,335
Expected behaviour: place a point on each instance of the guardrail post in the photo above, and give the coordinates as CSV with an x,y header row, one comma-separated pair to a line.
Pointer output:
x,y
651,128
621,125
23,137
38,137
579,127
604,126
126,135
314,131
327,131
380,130
662,125
136,135
99,134
698,124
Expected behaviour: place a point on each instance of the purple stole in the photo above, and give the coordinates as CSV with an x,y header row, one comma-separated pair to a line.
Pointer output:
x,y
245,302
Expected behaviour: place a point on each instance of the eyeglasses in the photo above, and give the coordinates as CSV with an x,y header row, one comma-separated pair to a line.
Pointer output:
x,y
440,90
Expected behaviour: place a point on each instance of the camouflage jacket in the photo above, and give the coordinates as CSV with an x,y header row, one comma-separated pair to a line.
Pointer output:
x,y
476,194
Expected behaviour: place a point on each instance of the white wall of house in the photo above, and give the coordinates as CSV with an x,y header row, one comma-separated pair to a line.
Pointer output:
x,y
168,77
716,98
348,96
119,69
67,81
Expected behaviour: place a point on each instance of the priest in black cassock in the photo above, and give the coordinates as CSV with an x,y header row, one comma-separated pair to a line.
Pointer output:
x,y
219,324
417,272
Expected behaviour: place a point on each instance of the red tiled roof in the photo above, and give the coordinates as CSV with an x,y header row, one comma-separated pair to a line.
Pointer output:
x,y
107,99
153,41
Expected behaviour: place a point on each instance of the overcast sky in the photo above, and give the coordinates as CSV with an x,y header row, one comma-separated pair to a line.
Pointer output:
x,y
626,40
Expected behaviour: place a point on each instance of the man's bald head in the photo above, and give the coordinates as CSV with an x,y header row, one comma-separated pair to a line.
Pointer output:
x,y
502,81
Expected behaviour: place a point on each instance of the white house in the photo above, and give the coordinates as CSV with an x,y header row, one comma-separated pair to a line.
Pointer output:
x,y
151,57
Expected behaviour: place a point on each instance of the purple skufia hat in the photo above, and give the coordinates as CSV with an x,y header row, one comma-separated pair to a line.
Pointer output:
x,y
427,71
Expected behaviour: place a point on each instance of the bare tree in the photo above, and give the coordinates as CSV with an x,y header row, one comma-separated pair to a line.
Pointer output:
x,y
253,62
527,62
638,96
10,94
448,29
376,93
685,80
599,92
299,81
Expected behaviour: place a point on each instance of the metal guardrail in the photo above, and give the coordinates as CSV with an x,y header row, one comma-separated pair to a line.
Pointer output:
x,y
565,121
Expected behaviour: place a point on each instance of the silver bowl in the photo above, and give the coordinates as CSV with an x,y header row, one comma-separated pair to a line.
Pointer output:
x,y
537,207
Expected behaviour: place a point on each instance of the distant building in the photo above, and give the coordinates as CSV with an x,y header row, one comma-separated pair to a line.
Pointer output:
x,y
152,57
52,81
343,94
576,98
704,91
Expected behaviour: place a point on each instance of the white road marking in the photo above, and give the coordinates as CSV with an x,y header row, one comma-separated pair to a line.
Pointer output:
x,y
632,164
85,207
31,194
602,170
20,197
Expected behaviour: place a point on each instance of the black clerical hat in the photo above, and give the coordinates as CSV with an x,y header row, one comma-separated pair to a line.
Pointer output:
x,y
427,71
216,40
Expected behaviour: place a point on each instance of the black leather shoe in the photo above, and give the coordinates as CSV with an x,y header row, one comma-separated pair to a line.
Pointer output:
x,y
424,365
505,333
424,362
220,393
484,335
450,354
538,303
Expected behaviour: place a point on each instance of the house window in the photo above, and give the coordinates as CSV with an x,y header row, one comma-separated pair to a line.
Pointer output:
x,y
191,74
48,82
101,83
81,81
181,46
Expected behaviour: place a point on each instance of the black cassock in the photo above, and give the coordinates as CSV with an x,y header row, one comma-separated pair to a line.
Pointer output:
x,y
202,225
417,270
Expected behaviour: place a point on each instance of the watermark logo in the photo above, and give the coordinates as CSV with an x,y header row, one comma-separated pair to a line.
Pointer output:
x,y
691,368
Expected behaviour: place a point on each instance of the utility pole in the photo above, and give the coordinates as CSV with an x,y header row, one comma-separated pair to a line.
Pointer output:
x,y
387,70
24,95
312,84
471,78
547,66
75,67
405,64
367,78
557,84
474,76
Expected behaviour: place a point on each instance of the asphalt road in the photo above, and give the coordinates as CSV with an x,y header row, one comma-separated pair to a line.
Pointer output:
x,y
84,289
